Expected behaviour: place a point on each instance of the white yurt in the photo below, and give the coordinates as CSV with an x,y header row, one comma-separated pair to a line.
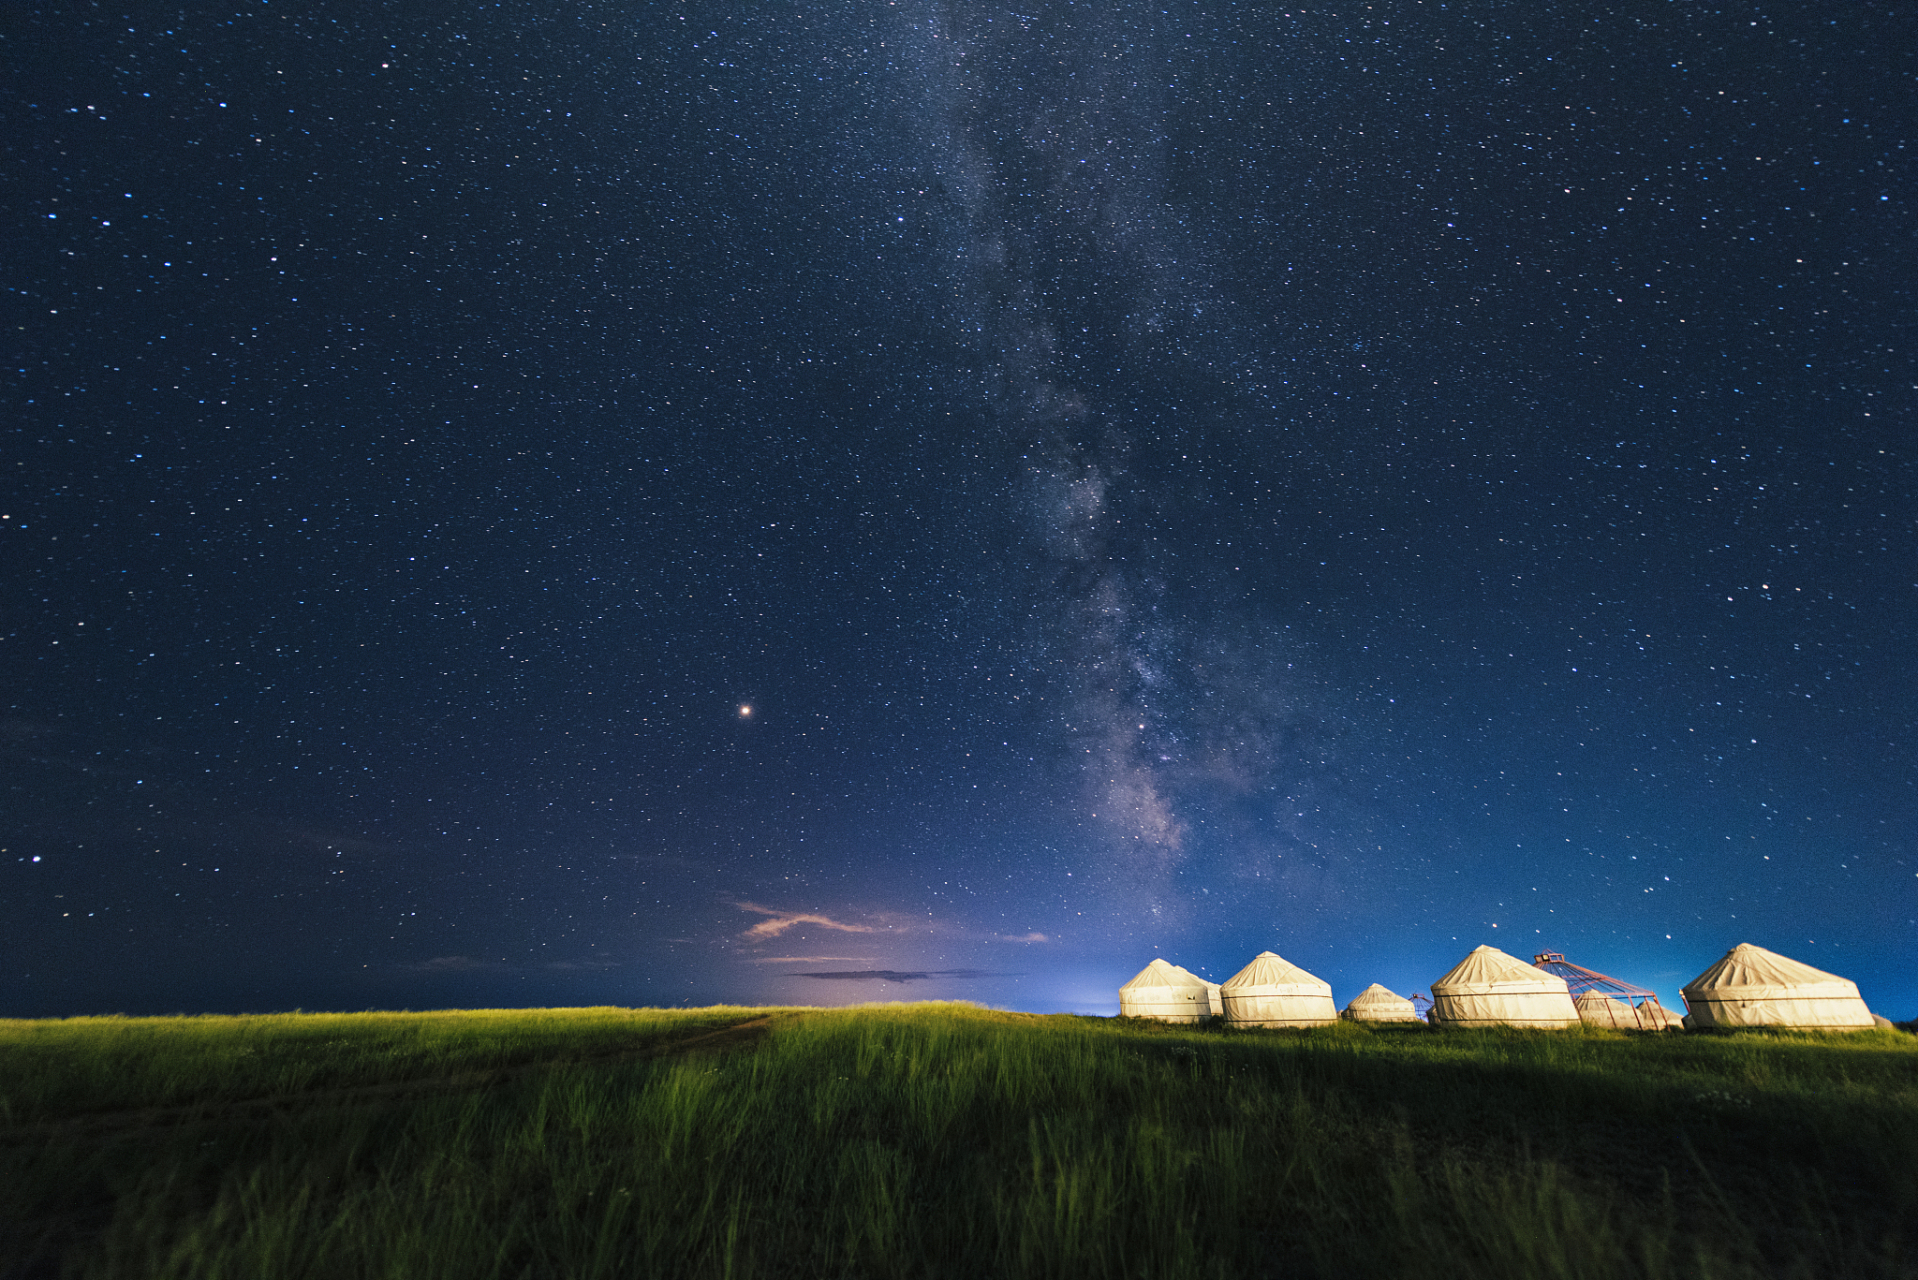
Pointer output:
x,y
1656,1017
1597,1010
1378,1004
1166,992
1489,988
1753,987
1274,992
1212,990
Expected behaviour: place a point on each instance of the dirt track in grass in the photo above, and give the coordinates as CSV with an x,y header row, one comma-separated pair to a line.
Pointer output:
x,y
739,1035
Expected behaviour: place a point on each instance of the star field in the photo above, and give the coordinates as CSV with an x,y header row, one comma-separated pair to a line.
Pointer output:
x,y
685,503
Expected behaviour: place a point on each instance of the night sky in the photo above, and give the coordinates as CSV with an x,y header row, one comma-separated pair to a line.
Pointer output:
x,y
517,503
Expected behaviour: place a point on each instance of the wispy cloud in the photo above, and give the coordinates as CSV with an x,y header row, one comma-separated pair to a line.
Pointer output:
x,y
779,921
901,975
1034,936
811,959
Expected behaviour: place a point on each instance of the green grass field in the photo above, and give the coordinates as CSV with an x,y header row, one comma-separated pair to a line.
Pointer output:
x,y
942,1140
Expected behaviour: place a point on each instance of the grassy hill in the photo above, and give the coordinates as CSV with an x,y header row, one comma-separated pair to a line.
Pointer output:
x,y
942,1140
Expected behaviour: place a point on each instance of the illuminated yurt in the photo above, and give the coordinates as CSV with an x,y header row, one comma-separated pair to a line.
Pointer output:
x,y
1377,1004
1490,988
1753,987
1212,990
1167,993
1274,992
1595,1010
1656,1017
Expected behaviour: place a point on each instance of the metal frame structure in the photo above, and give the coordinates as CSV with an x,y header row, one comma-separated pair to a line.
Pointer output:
x,y
1581,980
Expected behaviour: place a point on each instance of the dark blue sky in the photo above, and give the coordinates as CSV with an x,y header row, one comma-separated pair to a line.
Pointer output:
x,y
1359,481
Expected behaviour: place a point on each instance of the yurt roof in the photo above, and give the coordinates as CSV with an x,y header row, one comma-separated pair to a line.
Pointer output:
x,y
1376,994
1489,969
1752,973
1272,974
1161,973
1204,982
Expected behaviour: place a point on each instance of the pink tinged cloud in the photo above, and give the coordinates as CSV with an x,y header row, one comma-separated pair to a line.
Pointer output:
x,y
781,921
812,960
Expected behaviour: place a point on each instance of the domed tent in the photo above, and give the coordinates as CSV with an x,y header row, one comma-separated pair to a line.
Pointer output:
x,y
1595,1010
1753,987
1212,990
1167,993
1377,1004
1656,1017
1215,994
1274,992
1489,987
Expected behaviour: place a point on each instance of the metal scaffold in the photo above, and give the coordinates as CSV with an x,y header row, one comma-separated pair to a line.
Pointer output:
x,y
1605,1001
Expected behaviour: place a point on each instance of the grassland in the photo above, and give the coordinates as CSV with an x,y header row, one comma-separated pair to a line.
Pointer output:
x,y
942,1140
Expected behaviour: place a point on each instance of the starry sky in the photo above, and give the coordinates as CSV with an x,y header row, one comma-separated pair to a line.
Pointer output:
x,y
514,504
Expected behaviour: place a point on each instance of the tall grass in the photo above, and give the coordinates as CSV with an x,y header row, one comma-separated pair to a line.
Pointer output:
x,y
952,1141
62,1066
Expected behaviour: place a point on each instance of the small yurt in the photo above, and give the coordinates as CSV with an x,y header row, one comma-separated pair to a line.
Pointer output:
x,y
1753,987
1656,1017
1274,992
1595,1010
1377,1004
1212,991
1489,988
1167,993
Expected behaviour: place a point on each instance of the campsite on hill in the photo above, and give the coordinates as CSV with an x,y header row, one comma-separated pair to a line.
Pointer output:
x,y
944,1140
